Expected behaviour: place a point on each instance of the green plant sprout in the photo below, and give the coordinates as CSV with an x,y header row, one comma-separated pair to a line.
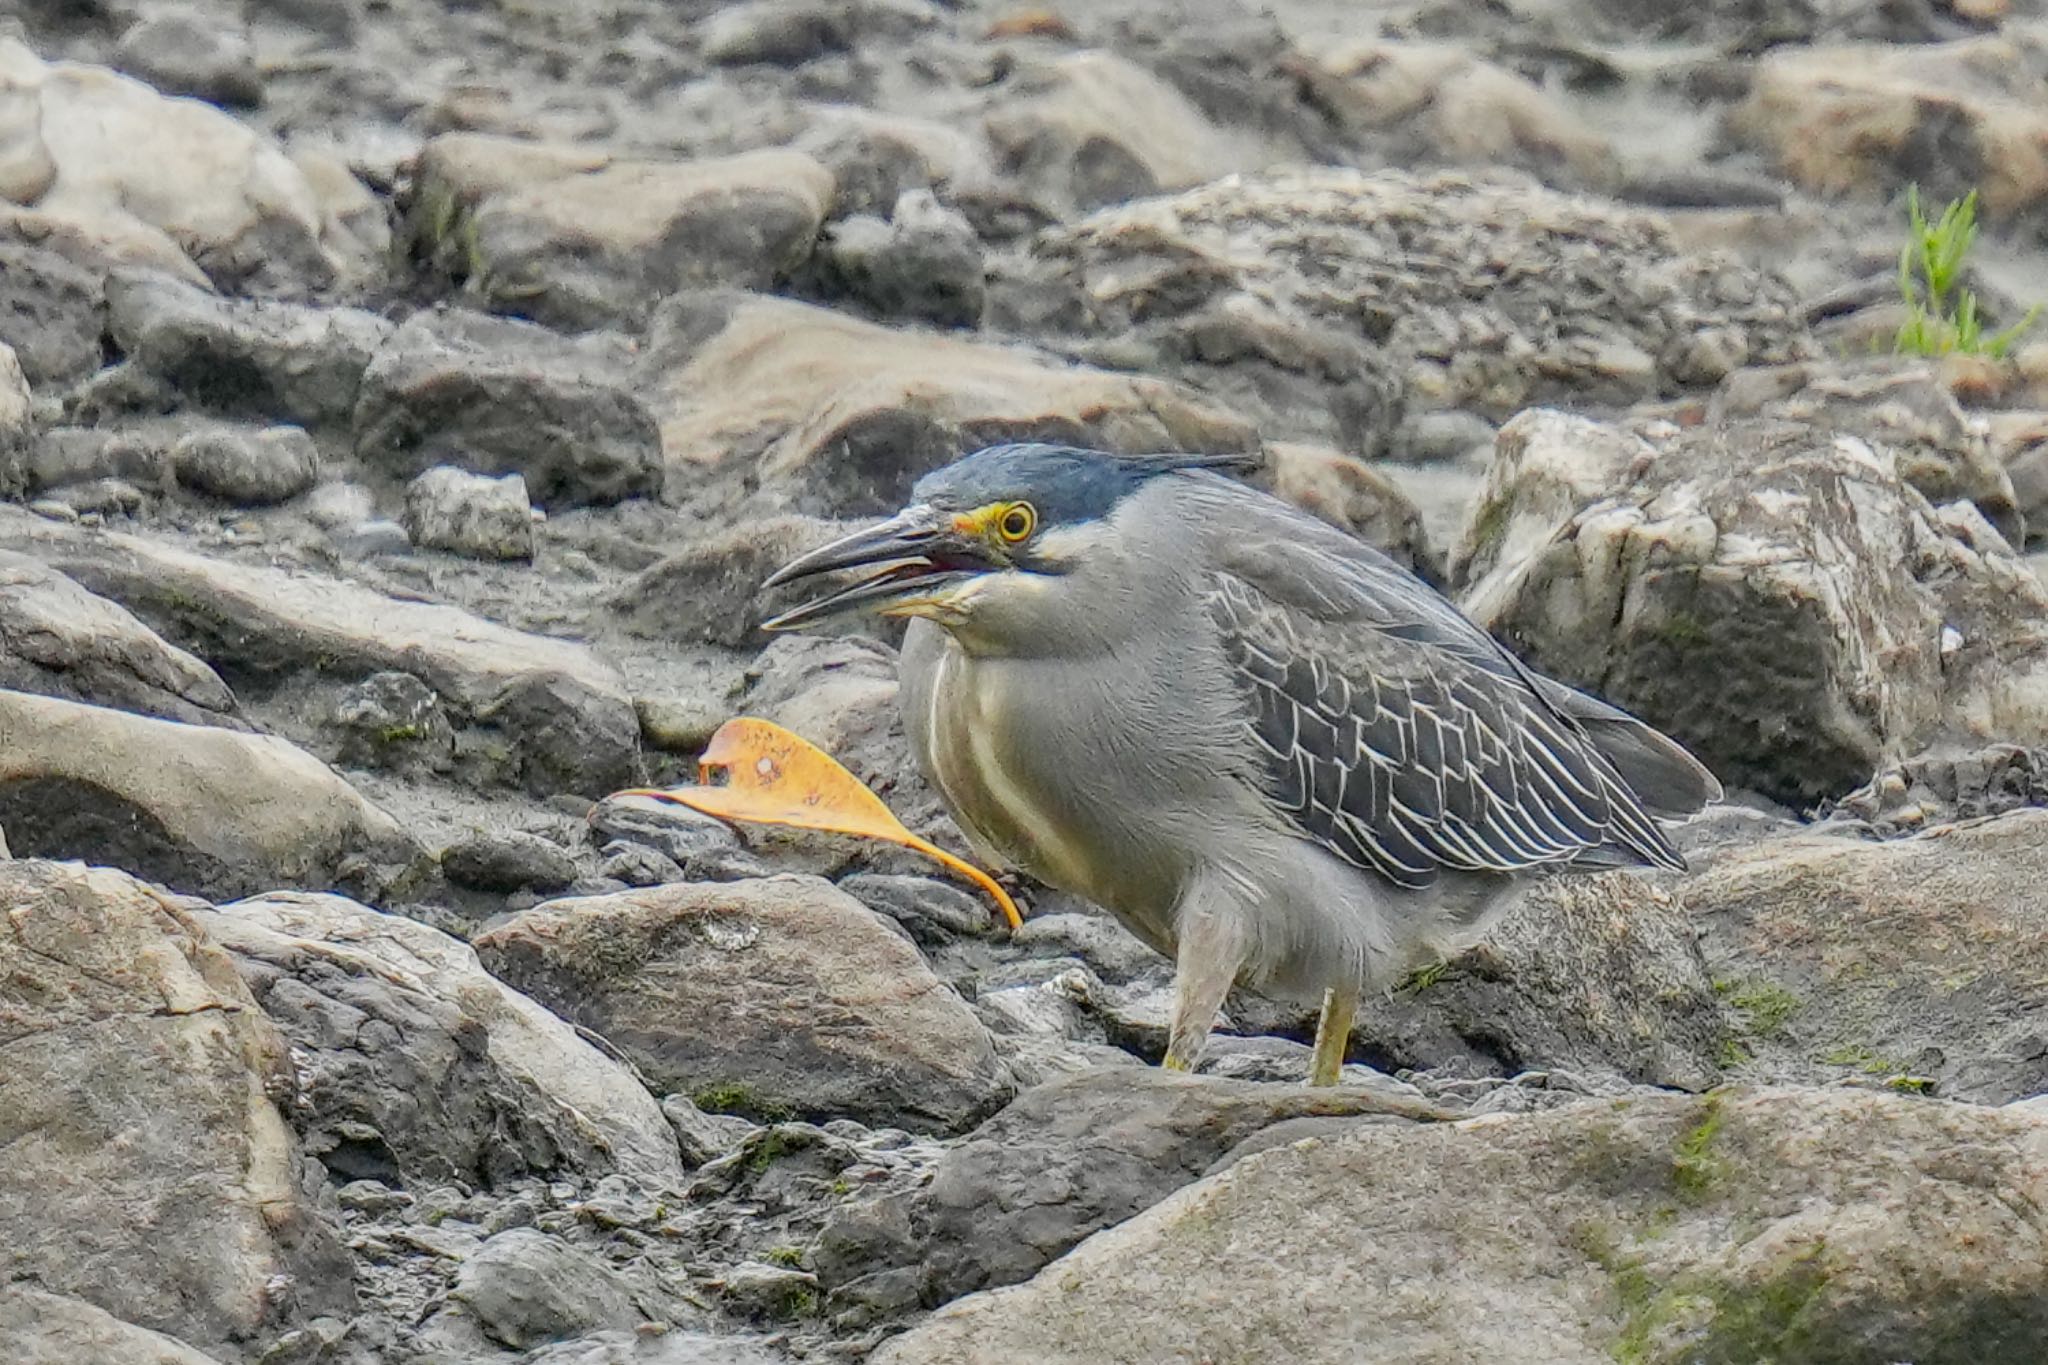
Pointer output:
x,y
1941,315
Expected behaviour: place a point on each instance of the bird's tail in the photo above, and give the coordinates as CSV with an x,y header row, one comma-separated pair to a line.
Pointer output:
x,y
1664,777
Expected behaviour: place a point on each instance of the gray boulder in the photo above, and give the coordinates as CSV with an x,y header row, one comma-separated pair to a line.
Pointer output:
x,y
41,1328
418,1068
1591,1233
1065,1160
779,995
247,467
1275,293
1919,964
525,1288
140,1111
469,514
55,313
536,711
59,640
213,811
242,358
497,397
1774,595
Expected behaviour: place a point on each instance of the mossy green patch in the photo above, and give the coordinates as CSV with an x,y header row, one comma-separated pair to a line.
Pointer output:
x,y
1695,1166
1763,1005
736,1097
791,1257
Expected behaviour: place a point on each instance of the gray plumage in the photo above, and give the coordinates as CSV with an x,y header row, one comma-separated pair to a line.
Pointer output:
x,y
1264,747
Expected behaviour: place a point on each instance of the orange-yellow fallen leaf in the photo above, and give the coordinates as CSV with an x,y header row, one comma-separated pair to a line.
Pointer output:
x,y
776,777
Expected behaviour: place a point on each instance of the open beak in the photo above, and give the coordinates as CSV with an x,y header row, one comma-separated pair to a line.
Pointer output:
x,y
918,557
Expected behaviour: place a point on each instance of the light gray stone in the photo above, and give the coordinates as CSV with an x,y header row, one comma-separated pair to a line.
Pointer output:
x,y
469,514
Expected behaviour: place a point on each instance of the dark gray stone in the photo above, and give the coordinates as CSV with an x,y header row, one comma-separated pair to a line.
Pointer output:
x,y
469,514
495,396
52,313
526,1288
249,468
192,52
271,361
508,860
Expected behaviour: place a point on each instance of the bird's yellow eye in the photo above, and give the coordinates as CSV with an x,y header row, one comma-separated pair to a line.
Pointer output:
x,y
1017,522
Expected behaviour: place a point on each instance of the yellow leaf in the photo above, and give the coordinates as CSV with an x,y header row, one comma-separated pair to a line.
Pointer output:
x,y
776,777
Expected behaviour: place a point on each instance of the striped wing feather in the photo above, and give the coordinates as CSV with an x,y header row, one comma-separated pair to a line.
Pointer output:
x,y
1408,747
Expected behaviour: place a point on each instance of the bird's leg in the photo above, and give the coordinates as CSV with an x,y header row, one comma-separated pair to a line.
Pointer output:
x,y
1333,1034
1210,951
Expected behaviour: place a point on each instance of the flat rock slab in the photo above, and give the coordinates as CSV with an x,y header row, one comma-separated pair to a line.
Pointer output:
x,y
148,1169
777,996
575,237
421,1068
1918,962
1068,1159
218,812
1744,1225
838,417
54,1329
60,640
563,713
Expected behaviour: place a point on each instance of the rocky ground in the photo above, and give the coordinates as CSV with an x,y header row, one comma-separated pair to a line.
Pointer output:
x,y
400,404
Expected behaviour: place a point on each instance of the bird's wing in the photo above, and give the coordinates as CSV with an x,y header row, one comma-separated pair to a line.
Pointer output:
x,y
1398,734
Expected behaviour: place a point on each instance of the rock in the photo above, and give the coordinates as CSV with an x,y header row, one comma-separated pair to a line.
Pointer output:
x,y
923,265
1949,117
1944,787
180,179
250,468
1901,404
755,1290
1351,495
138,1114
468,514
1092,128
701,1136
672,1347
183,52
1598,976
243,358
65,457
781,992
1847,1250
55,314
18,434
1063,1161
1422,103
59,640
525,1288
212,811
1274,292
1918,963
499,397
393,720
838,418
711,591
55,1329
1774,596
577,238
508,860
933,913
419,1068
545,713
775,32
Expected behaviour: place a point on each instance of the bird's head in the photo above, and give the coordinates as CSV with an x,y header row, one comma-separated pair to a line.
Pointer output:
x,y
986,540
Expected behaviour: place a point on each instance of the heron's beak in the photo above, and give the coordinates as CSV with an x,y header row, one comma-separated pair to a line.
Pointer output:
x,y
921,556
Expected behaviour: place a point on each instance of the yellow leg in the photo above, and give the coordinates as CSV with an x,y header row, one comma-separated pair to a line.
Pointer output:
x,y
1333,1035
